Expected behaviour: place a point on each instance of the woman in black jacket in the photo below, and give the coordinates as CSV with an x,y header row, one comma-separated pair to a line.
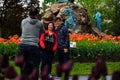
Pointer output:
x,y
48,42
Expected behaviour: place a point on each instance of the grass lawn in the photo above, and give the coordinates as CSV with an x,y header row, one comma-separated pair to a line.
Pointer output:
x,y
85,68
81,68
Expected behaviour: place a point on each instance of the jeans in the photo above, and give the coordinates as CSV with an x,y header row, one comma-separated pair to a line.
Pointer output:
x,y
31,58
47,58
62,57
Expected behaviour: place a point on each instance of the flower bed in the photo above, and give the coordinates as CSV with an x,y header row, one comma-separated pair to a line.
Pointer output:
x,y
9,46
88,46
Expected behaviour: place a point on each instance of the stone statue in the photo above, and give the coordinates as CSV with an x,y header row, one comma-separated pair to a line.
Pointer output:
x,y
97,17
71,20
60,1
71,1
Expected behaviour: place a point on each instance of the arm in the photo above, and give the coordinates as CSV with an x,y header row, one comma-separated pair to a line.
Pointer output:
x,y
56,42
66,40
41,41
42,28
66,37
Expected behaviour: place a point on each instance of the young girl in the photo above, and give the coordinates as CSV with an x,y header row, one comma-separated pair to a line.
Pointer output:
x,y
48,43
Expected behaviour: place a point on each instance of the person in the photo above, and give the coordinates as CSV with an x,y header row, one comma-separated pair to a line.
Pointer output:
x,y
29,42
63,41
48,42
97,17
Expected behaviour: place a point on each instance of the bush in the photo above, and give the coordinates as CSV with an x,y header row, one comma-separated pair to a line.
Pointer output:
x,y
88,46
91,50
10,49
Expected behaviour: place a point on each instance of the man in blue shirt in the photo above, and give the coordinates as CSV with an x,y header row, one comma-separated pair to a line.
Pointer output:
x,y
63,41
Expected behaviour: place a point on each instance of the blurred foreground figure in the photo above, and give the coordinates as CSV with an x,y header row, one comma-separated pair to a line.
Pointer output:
x,y
64,69
6,70
75,77
116,75
100,69
44,74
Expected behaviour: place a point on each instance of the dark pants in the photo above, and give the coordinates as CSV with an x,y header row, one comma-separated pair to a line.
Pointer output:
x,y
47,58
31,58
62,57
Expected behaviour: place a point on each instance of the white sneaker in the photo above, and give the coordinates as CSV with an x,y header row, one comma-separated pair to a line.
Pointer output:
x,y
50,76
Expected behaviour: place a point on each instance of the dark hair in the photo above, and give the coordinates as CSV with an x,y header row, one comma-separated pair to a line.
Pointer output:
x,y
33,11
53,25
58,18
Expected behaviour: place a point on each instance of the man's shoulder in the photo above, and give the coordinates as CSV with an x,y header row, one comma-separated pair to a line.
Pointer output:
x,y
40,23
24,20
64,27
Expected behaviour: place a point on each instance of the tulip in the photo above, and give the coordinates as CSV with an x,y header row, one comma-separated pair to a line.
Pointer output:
x,y
24,77
16,78
34,75
2,78
4,61
75,77
66,67
19,59
9,72
101,66
116,75
58,70
44,73
94,74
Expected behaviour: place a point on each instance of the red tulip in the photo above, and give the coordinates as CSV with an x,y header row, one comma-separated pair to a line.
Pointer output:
x,y
4,61
19,59
66,67
17,78
44,73
94,74
2,78
75,77
101,66
58,70
116,75
9,72
34,75
24,77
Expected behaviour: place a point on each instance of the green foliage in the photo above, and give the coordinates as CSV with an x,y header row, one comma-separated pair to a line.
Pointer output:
x,y
13,14
10,49
115,29
106,7
85,50
17,69
48,3
91,50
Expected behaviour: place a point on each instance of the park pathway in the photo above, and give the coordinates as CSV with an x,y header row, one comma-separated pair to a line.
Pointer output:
x,y
108,77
